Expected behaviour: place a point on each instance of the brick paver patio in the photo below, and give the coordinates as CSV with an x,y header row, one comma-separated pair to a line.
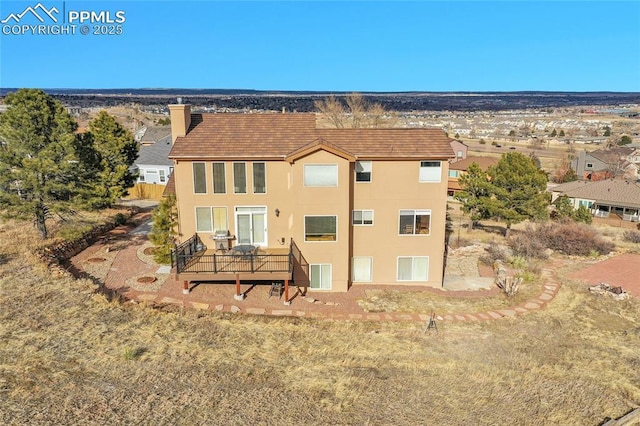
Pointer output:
x,y
619,271
336,306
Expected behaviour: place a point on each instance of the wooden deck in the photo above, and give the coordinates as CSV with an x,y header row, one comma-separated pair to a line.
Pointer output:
x,y
195,263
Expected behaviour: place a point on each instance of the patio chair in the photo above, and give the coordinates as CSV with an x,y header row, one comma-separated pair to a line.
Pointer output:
x,y
276,289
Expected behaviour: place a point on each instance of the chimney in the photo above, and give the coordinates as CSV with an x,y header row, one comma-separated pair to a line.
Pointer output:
x,y
180,119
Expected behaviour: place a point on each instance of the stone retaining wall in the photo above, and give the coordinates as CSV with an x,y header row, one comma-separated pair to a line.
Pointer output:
x,y
53,255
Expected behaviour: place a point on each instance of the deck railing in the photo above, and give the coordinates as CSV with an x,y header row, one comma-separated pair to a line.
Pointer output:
x,y
190,257
182,253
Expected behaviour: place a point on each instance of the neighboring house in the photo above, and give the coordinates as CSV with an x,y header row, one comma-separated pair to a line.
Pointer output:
x,y
634,155
605,164
459,149
151,135
604,198
272,197
459,168
153,164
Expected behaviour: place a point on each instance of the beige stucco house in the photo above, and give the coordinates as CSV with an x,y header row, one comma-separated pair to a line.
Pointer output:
x,y
271,197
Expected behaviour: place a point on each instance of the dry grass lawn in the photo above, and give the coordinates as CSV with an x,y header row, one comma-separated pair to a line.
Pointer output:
x,y
70,356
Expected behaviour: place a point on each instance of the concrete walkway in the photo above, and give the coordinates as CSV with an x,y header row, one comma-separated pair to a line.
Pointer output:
x,y
135,276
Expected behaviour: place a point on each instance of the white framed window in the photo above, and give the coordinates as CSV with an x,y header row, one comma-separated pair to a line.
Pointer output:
x,y
204,222
151,176
413,268
219,180
141,176
320,276
320,228
320,175
239,178
453,173
362,268
210,219
259,178
363,171
430,171
459,154
362,217
199,178
415,222
163,177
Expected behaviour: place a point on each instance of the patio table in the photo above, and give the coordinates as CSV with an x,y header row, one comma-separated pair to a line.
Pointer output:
x,y
244,249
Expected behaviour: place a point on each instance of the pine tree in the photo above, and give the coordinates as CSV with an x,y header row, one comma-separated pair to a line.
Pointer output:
x,y
563,208
163,229
476,190
582,214
109,151
39,171
518,190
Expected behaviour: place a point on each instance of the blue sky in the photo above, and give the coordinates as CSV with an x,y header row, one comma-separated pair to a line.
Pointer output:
x,y
334,46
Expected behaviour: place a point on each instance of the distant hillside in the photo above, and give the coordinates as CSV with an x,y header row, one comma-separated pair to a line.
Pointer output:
x,y
304,101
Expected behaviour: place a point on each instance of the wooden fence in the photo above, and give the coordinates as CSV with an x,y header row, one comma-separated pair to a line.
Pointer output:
x,y
146,191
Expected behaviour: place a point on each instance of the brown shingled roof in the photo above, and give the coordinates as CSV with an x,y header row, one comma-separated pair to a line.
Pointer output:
x,y
610,191
274,136
483,162
170,189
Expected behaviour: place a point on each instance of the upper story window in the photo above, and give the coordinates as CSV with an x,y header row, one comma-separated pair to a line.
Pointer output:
x,y
430,171
320,228
259,178
453,173
320,175
362,217
163,177
363,171
239,178
199,178
415,222
219,180
459,154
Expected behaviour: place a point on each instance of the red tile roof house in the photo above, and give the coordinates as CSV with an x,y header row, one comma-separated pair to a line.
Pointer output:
x,y
270,198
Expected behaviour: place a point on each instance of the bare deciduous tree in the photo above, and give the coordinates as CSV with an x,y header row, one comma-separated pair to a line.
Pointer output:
x,y
357,113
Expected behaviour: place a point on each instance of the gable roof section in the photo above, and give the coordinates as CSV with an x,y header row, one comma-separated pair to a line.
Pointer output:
x,y
156,154
317,145
281,136
611,191
611,156
483,162
154,134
